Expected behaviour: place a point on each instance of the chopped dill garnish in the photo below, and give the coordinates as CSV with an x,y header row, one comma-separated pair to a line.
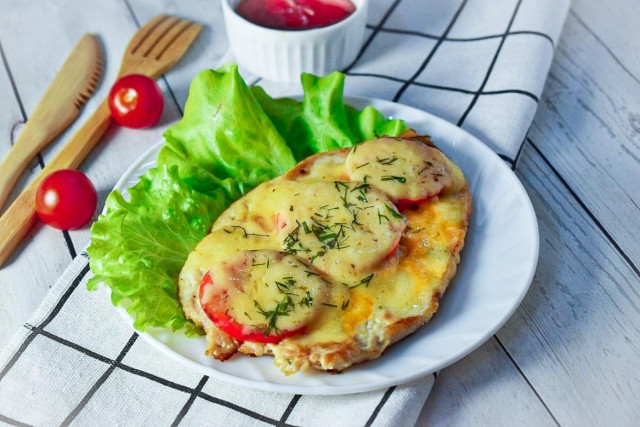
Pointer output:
x,y
381,217
283,308
386,160
286,285
329,305
393,213
400,179
361,187
345,304
340,185
292,242
362,165
245,234
428,165
364,282
306,301
305,227
367,280
318,254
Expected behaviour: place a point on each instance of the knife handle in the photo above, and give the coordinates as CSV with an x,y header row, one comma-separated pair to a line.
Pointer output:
x,y
32,140
21,215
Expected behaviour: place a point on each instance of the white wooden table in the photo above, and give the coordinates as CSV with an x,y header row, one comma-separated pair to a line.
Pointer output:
x,y
569,355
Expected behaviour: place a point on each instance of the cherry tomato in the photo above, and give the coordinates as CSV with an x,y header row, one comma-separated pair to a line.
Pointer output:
x,y
217,312
135,101
66,199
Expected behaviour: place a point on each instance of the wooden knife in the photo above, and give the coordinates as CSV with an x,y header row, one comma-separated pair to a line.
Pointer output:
x,y
60,105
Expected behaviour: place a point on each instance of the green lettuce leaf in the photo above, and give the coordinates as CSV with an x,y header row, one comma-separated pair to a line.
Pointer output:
x,y
225,133
322,121
230,139
139,246
370,124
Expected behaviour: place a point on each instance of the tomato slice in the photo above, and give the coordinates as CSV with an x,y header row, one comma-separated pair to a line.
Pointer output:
x,y
219,315
281,222
262,296
404,205
394,248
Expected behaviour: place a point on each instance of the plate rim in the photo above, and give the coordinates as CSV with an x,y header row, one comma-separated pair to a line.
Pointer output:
x,y
328,389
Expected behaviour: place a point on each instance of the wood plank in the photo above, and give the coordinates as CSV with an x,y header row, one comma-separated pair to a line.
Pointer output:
x,y
484,388
54,34
210,49
576,335
21,289
54,29
616,25
588,126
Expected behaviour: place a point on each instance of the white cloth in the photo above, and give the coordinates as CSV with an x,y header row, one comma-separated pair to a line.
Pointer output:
x,y
478,63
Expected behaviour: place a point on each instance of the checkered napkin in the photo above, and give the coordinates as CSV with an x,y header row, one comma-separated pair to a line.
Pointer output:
x,y
478,63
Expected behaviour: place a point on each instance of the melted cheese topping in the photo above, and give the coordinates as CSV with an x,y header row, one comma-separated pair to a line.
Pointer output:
x,y
410,170
360,303
264,290
344,229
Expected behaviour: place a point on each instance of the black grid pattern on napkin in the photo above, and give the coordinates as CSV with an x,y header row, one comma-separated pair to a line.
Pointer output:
x,y
117,363
113,364
379,30
197,392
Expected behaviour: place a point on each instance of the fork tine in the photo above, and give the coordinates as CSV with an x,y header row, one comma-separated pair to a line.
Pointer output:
x,y
182,42
156,35
144,32
168,38
175,50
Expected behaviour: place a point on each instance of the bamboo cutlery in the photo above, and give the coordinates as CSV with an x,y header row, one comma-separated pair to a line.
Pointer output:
x,y
154,49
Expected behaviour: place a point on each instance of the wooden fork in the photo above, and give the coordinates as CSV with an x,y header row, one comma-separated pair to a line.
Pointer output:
x,y
154,49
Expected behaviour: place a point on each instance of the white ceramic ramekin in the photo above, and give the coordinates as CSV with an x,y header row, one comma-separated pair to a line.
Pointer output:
x,y
281,55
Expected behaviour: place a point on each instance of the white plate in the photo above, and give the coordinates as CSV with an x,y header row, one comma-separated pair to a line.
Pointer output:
x,y
498,263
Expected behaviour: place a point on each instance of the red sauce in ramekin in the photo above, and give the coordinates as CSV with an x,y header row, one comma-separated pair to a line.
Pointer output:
x,y
295,14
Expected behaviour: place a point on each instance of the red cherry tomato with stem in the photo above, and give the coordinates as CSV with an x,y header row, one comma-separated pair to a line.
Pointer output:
x,y
136,101
66,199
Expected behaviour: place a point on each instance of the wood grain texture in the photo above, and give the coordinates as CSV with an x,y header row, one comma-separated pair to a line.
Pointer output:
x,y
210,49
24,282
59,106
577,334
616,27
18,219
484,388
571,349
588,126
152,50
56,33
22,286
